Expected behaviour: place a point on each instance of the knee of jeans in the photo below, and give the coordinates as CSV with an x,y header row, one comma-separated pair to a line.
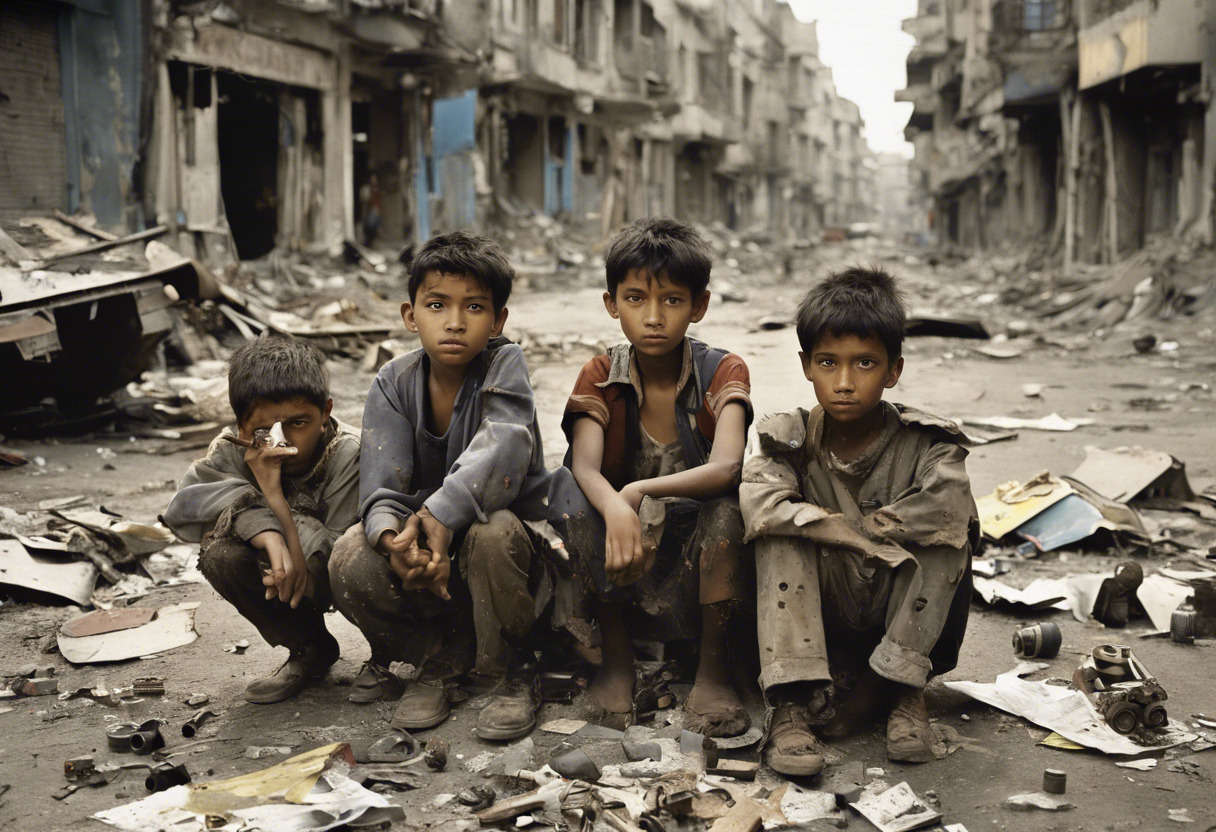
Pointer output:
x,y
501,536
221,558
351,563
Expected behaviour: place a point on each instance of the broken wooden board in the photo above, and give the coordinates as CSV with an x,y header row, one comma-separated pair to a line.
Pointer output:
x,y
172,627
70,579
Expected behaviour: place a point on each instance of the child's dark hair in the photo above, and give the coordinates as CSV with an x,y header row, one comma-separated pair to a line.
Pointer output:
x,y
856,301
665,248
468,255
276,368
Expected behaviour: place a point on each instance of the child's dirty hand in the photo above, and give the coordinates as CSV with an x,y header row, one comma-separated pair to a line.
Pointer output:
x,y
287,579
432,576
438,536
266,462
624,557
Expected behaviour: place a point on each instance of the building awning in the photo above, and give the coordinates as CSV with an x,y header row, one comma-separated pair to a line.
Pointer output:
x,y
1036,84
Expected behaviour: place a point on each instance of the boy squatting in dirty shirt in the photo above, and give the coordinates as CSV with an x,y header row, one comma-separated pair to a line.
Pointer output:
x,y
864,526
267,517
451,465
647,505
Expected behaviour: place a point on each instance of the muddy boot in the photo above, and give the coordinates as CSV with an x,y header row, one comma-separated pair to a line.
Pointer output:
x,y
301,667
375,682
792,749
426,702
910,737
511,713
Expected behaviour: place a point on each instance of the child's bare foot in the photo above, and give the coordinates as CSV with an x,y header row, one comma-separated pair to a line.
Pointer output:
x,y
714,710
612,689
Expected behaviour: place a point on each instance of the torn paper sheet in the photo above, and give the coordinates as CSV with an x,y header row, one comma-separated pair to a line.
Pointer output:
x,y
1160,596
334,801
172,627
896,809
1075,593
1054,422
1066,711
62,576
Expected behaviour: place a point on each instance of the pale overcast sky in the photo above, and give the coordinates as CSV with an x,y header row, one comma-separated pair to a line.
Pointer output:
x,y
861,40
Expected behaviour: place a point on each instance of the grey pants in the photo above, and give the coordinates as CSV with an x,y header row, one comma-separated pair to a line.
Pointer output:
x,y
497,586
921,613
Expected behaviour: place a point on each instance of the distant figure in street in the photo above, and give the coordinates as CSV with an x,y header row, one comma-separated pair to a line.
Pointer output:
x,y
864,527
369,206
269,500
452,467
647,505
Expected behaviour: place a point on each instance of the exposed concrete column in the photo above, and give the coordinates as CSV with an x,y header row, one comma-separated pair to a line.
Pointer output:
x,y
338,156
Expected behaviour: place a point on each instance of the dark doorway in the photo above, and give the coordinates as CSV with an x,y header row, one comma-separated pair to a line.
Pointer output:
x,y
249,161
526,161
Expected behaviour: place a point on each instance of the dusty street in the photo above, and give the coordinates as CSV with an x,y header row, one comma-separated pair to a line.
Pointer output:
x,y
994,755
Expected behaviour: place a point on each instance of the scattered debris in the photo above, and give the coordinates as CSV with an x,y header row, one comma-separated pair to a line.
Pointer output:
x,y
190,726
1123,474
1037,800
166,776
67,579
1064,710
238,648
436,757
1140,765
636,746
894,809
396,747
576,765
1054,422
257,752
1040,641
1180,815
171,627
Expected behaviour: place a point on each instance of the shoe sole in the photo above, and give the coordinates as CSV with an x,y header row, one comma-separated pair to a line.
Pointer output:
x,y
413,725
798,766
504,734
266,700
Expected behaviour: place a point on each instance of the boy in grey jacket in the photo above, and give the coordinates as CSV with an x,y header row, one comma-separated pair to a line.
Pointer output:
x,y
268,513
451,467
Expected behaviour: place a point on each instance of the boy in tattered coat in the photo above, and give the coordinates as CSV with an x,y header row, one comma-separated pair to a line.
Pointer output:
x,y
864,525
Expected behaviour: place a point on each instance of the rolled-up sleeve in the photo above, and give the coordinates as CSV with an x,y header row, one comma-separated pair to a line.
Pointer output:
x,y
209,486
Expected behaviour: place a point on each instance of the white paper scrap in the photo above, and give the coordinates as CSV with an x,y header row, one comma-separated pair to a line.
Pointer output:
x,y
897,809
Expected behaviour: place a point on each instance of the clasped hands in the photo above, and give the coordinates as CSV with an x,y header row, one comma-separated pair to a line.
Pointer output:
x,y
418,554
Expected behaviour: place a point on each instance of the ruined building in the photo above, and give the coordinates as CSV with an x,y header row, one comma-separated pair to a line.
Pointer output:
x,y
1077,126
250,125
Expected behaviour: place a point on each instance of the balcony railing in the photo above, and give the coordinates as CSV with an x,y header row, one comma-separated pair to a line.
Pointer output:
x,y
1017,16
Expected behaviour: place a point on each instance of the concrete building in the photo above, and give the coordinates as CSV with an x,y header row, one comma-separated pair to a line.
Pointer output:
x,y
254,125
1075,126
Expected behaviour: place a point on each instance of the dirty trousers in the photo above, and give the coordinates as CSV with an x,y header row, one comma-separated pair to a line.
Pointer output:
x,y
925,613
498,577
234,568
700,559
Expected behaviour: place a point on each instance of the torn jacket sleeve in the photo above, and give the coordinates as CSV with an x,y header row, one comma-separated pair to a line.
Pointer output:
x,y
937,509
386,459
489,473
209,486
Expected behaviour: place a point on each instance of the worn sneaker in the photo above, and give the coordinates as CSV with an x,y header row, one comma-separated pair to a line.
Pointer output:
x,y
511,713
300,668
792,748
375,682
910,737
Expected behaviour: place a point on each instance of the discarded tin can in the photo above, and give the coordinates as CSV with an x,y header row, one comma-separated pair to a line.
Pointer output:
x,y
78,768
166,776
1182,624
149,686
1054,781
1041,641
190,728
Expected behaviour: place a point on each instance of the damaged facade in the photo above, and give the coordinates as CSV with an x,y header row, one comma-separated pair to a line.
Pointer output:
x,y
1076,126
253,125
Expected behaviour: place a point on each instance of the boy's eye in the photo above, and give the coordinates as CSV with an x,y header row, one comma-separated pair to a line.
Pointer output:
x,y
825,362
436,305
633,298
673,301
867,363
475,307
299,423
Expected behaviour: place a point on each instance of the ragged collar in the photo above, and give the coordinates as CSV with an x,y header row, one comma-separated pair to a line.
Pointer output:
x,y
623,369
863,464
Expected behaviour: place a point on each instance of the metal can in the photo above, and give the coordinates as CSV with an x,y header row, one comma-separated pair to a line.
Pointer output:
x,y
1182,624
1041,641
1054,781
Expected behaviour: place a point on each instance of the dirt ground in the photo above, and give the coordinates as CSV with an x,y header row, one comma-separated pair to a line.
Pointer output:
x,y
997,755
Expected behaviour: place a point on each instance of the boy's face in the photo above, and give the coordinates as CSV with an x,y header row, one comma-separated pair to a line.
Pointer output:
x,y
454,317
654,312
303,423
849,374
